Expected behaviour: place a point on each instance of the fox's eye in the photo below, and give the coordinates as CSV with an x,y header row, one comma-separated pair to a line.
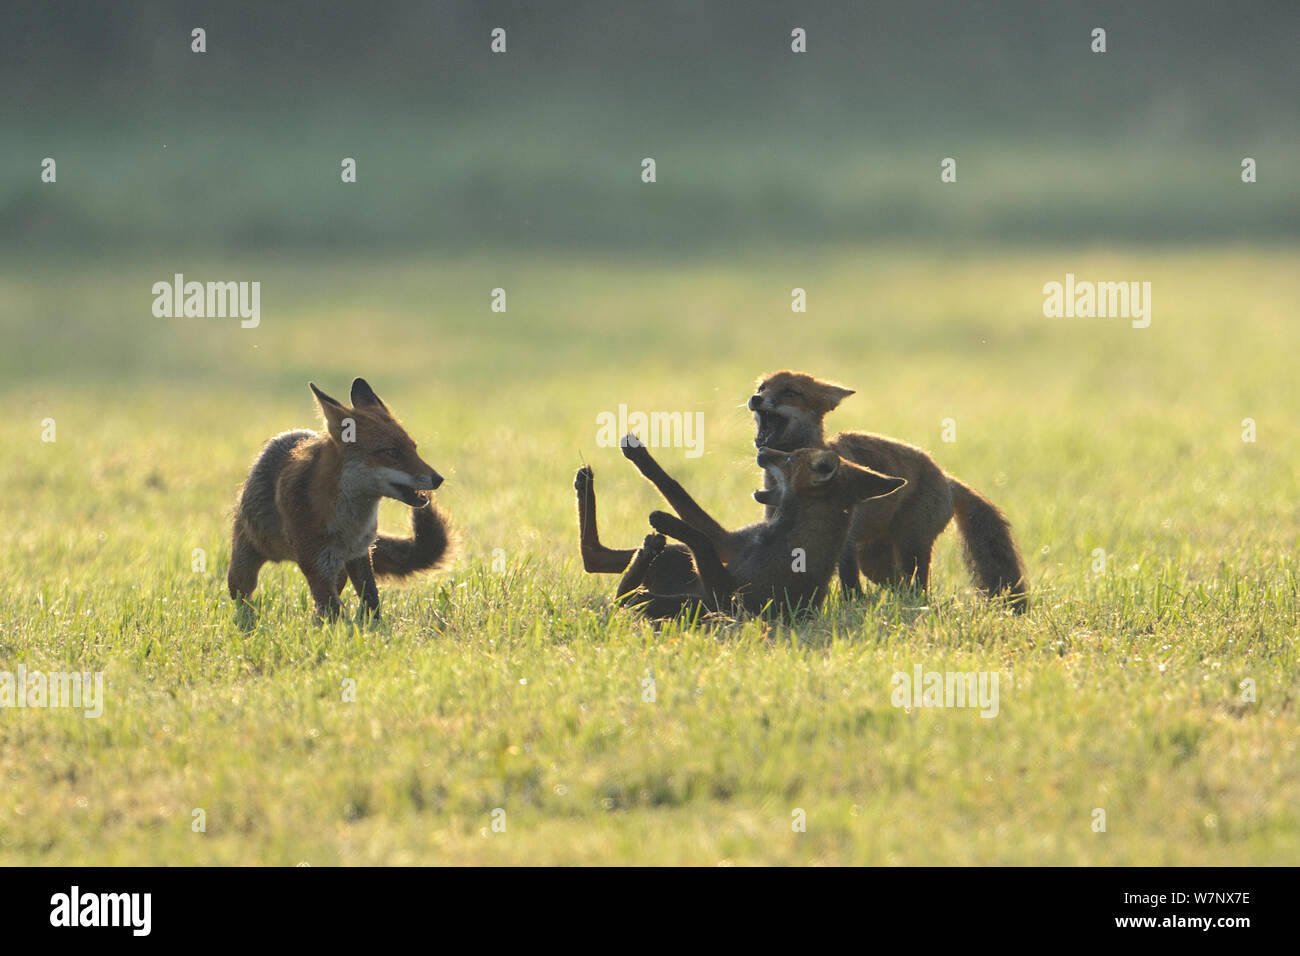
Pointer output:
x,y
392,453
793,393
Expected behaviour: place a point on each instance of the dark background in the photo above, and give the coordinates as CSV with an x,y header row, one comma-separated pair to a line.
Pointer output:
x,y
239,147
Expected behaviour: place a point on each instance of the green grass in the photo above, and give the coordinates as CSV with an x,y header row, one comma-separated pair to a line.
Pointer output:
x,y
522,689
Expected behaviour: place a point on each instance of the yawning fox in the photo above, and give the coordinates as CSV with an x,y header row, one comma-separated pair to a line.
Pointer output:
x,y
891,539
313,498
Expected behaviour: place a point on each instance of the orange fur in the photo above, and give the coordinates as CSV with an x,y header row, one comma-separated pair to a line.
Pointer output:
x,y
891,539
313,498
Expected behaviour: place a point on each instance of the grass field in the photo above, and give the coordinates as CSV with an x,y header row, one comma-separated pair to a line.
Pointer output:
x,y
520,688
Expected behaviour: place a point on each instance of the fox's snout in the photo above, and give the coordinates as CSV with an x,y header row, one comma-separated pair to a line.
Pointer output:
x,y
756,402
427,481
767,456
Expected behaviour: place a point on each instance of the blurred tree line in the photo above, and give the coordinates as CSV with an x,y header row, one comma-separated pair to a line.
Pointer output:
x,y
455,144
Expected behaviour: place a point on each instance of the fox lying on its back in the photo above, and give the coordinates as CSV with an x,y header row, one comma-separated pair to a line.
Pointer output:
x,y
782,564
313,498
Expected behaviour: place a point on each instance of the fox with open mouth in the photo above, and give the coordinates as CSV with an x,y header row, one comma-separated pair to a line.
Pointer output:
x,y
313,498
891,539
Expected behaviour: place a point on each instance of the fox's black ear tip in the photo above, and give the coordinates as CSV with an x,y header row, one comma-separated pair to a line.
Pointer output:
x,y
360,383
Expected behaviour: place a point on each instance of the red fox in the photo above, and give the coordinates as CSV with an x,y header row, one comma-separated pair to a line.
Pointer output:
x,y
313,498
891,539
784,562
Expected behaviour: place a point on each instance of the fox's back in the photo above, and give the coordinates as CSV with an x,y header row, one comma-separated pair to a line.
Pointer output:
x,y
886,455
257,511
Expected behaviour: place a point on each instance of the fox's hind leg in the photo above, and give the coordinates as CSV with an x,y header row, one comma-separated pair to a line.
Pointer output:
x,y
596,558
245,563
718,584
876,559
685,506
913,555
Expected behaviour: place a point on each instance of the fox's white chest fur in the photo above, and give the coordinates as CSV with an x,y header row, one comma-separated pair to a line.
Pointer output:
x,y
356,515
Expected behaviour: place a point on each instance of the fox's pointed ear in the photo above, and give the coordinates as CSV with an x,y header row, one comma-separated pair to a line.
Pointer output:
x,y
832,395
363,394
321,397
334,412
872,484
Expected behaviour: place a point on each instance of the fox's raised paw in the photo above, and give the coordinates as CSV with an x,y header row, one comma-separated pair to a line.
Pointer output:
x,y
583,480
668,524
654,543
633,449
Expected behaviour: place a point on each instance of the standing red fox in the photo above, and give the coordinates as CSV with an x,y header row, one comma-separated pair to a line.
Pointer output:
x,y
313,498
891,538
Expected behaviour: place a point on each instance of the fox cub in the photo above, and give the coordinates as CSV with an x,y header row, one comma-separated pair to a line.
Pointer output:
x,y
671,570
784,562
313,498
891,538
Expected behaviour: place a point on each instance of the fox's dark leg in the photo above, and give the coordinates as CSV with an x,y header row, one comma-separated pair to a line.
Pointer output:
x,y
676,495
876,559
637,567
914,562
363,580
596,558
321,582
245,563
341,581
850,583
718,584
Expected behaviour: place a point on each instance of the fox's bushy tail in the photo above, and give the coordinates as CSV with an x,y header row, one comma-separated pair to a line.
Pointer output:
x,y
988,546
429,543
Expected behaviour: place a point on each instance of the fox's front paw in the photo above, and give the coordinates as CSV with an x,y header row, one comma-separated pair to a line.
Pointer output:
x,y
633,449
654,543
583,480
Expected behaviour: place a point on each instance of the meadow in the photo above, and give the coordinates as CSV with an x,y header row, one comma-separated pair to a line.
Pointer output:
x,y
501,712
